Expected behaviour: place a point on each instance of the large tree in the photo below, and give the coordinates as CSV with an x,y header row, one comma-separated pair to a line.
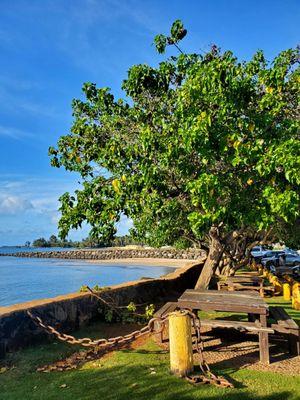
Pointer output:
x,y
203,148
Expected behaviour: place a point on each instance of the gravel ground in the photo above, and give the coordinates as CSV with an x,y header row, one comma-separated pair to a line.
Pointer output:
x,y
242,352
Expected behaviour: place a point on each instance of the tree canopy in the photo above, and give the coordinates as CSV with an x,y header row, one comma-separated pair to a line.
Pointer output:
x,y
200,140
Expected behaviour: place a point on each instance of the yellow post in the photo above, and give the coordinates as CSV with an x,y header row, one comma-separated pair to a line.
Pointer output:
x,y
286,291
296,296
181,350
265,273
271,277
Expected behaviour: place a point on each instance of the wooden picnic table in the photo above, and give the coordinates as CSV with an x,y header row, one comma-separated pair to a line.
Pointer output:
x,y
249,279
241,302
242,283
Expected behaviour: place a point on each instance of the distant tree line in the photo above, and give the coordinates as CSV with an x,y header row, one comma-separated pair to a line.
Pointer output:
x,y
54,241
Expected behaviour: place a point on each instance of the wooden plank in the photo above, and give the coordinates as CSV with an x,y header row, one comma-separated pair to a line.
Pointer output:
x,y
239,325
225,298
207,300
264,342
283,318
240,286
194,305
254,279
286,318
286,325
249,296
217,293
264,348
166,308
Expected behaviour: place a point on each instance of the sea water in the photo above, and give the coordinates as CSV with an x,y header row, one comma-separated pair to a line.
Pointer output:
x,y
24,279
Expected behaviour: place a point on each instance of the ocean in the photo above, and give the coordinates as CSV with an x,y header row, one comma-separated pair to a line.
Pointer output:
x,y
24,279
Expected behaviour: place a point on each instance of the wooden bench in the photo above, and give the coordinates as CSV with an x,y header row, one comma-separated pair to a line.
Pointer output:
x,y
242,326
166,309
287,326
245,283
162,312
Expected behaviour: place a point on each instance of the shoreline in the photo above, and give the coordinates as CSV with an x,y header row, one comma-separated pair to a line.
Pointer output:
x,y
149,262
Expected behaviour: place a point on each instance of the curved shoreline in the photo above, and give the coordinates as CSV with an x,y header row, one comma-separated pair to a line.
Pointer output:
x,y
149,262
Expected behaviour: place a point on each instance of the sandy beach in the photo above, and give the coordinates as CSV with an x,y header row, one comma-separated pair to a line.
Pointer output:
x,y
153,262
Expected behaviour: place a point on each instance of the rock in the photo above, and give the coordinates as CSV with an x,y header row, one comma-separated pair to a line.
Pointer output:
x,y
106,254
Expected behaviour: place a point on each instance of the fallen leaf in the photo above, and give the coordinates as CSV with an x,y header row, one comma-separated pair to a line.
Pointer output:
x,y
63,386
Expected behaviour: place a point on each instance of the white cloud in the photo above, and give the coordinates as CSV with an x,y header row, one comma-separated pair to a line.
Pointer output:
x,y
124,225
55,218
14,205
13,133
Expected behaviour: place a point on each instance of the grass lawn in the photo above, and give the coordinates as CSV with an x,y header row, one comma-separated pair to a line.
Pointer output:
x,y
126,374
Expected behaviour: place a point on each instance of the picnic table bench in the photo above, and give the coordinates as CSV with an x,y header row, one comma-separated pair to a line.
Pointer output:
x,y
212,300
244,302
245,283
287,326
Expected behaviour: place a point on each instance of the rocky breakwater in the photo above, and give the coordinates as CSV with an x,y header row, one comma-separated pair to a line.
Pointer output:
x,y
111,253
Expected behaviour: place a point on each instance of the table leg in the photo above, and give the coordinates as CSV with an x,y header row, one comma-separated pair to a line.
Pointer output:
x,y
261,289
264,342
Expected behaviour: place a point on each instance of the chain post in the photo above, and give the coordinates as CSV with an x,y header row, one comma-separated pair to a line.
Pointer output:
x,y
119,341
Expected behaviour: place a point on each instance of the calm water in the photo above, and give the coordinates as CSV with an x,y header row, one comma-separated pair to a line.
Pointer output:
x,y
24,279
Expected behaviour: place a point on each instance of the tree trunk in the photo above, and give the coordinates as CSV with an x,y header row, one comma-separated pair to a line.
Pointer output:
x,y
214,256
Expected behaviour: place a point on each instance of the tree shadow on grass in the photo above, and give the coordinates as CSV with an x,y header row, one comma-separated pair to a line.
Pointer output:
x,y
128,374
125,382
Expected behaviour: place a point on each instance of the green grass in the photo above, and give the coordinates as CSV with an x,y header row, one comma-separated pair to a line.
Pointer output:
x,y
126,375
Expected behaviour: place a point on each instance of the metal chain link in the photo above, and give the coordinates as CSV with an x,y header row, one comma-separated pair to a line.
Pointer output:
x,y
111,342
155,325
207,377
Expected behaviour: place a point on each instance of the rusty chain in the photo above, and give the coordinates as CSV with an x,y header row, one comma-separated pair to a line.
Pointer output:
x,y
111,342
207,377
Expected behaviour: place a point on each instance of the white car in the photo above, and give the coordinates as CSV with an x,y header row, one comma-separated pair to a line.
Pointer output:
x,y
259,251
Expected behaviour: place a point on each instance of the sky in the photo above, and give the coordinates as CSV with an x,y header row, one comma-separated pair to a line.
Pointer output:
x,y
49,48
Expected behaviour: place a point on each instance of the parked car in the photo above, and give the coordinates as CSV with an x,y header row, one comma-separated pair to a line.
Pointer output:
x,y
258,252
290,251
296,272
274,257
286,270
292,259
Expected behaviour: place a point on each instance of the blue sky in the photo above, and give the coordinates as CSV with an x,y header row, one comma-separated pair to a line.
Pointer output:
x,y
49,48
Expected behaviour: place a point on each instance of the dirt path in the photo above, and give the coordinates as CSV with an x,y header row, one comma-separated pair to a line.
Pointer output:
x,y
242,351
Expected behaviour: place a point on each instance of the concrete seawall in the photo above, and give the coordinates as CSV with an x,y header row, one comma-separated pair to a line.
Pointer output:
x,y
111,253
69,312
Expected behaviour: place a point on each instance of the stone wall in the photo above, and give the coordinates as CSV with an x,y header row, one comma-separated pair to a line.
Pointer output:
x,y
70,312
111,253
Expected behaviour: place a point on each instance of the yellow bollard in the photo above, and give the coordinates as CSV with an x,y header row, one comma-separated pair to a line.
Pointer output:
x,y
265,272
180,337
286,292
295,289
271,276
296,296
297,304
